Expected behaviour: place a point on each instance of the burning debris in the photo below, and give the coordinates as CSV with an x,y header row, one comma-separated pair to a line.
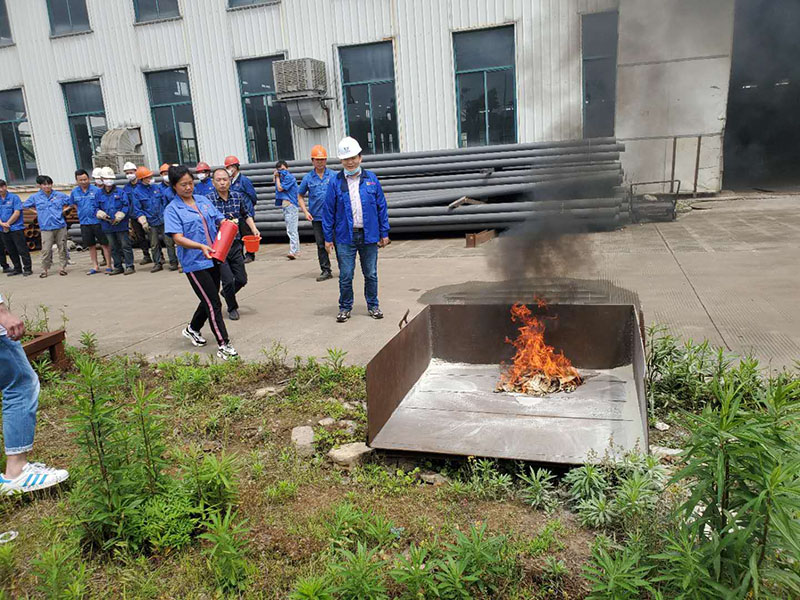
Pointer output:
x,y
537,369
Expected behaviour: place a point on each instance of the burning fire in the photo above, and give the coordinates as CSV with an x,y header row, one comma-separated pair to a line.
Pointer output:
x,y
537,368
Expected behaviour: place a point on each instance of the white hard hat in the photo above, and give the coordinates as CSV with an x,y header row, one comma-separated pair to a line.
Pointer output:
x,y
129,166
97,173
348,148
107,173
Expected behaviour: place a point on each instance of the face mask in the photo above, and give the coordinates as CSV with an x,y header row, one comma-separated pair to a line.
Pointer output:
x,y
230,172
130,176
98,182
355,171
108,182
165,178
201,176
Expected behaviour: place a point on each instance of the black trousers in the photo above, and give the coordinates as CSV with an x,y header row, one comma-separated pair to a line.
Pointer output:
x,y
233,274
3,260
141,239
322,254
205,284
244,229
17,248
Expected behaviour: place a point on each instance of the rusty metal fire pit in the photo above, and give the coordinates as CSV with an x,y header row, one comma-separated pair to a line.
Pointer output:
x,y
431,389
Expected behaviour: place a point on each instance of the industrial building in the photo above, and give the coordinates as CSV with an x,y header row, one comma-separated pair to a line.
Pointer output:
x,y
194,78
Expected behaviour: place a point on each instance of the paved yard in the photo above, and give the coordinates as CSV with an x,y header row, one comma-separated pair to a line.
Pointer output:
x,y
726,271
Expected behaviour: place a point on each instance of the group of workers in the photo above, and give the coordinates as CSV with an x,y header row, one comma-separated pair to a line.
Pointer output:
x,y
347,210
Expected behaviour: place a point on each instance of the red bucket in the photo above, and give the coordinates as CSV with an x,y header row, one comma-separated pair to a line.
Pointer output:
x,y
251,242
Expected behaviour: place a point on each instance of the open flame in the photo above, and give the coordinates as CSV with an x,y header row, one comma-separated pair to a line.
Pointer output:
x,y
536,368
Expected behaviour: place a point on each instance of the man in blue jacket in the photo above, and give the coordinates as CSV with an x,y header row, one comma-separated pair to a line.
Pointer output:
x,y
315,186
141,238
357,217
242,185
49,206
114,212
12,231
84,198
148,209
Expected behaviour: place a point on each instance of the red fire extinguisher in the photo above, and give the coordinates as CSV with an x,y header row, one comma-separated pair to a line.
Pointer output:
x,y
225,236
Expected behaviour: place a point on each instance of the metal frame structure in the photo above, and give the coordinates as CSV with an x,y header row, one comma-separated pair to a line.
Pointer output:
x,y
458,73
160,17
73,29
18,143
369,83
86,115
171,106
272,142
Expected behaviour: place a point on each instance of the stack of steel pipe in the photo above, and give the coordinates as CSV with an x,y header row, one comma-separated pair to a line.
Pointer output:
x,y
577,178
511,182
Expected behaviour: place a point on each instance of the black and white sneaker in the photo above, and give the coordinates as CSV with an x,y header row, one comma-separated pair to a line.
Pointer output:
x,y
343,316
194,336
227,352
375,313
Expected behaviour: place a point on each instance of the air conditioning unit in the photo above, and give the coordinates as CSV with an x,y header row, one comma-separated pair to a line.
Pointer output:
x,y
300,78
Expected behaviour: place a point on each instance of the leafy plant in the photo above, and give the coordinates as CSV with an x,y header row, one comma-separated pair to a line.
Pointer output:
x,y
415,572
538,489
358,574
635,499
349,526
312,588
8,552
554,570
281,491
212,480
483,556
454,581
225,554
59,576
616,575
166,522
88,341
596,512
586,482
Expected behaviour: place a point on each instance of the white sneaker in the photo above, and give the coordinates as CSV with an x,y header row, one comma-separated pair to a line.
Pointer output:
x,y
227,352
194,336
34,476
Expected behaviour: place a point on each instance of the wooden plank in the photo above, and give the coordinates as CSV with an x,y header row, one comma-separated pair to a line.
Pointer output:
x,y
476,239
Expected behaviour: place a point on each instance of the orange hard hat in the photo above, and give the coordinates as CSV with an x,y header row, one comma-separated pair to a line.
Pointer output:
x,y
201,166
143,173
164,168
231,160
319,152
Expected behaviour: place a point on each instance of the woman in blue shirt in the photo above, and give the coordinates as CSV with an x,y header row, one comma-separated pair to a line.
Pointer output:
x,y
286,198
192,222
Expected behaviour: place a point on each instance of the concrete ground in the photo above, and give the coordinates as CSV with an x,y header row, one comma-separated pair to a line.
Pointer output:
x,y
726,271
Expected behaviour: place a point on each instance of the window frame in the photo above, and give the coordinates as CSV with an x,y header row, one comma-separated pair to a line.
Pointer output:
x,y
484,71
171,106
273,151
86,114
72,30
10,42
253,5
369,83
15,123
138,21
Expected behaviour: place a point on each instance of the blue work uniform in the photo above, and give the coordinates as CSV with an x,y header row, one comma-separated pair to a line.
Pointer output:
x,y
111,202
8,205
316,188
179,217
148,202
203,188
289,185
86,203
243,185
337,218
167,193
49,209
